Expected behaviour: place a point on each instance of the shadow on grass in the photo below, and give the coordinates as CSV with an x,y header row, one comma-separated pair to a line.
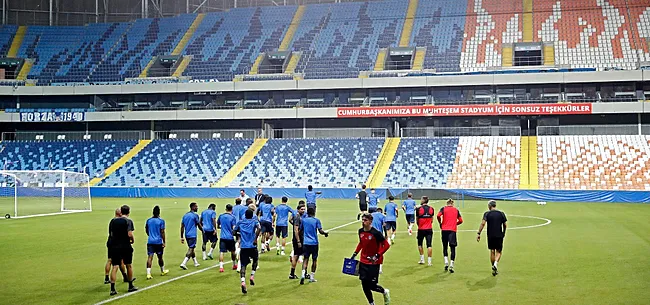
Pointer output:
x,y
486,283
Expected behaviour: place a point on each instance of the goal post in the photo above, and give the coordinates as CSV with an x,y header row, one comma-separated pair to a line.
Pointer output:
x,y
26,193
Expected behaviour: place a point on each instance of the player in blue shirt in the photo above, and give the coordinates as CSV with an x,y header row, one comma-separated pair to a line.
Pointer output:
x,y
209,222
310,196
266,213
189,225
226,223
310,226
282,212
248,230
391,212
373,200
155,229
409,210
379,220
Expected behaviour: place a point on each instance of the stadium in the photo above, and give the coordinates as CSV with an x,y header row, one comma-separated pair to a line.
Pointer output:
x,y
534,107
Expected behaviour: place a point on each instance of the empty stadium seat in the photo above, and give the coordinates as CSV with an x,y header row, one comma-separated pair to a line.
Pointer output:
x,y
486,163
96,156
344,163
594,162
422,163
7,33
179,163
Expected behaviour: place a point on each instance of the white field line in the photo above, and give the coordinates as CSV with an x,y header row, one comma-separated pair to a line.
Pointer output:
x,y
188,274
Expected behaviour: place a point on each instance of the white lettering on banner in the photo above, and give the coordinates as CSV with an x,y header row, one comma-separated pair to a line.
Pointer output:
x,y
52,116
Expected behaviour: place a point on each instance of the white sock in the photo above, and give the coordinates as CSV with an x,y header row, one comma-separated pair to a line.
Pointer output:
x,y
162,268
446,261
282,248
253,273
195,261
495,264
148,271
185,260
243,280
422,257
303,273
429,260
211,249
452,264
204,256
221,265
313,275
392,236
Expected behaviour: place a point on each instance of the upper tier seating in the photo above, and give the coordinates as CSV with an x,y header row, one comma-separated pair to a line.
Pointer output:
x,y
439,26
226,44
350,36
96,156
486,163
344,163
179,163
422,163
594,162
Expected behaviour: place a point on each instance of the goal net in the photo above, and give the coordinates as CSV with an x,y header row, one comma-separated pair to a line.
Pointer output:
x,y
41,193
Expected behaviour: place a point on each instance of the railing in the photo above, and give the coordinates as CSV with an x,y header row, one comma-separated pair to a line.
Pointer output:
x,y
591,130
324,133
436,132
75,135
208,134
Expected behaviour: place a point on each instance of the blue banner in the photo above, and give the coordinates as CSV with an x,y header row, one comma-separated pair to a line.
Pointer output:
x,y
53,116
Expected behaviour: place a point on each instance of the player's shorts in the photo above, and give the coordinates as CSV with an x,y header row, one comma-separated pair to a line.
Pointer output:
x,y
391,225
267,227
248,254
495,243
191,242
226,245
363,207
425,234
119,255
410,218
281,231
209,236
368,272
449,237
297,251
109,252
372,209
310,250
154,249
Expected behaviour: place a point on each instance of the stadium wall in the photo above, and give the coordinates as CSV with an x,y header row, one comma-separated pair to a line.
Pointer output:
x,y
343,193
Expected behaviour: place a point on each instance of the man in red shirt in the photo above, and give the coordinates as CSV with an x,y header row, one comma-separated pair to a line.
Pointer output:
x,y
373,246
449,218
424,215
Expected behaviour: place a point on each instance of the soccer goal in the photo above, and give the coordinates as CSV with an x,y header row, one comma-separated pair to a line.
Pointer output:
x,y
41,193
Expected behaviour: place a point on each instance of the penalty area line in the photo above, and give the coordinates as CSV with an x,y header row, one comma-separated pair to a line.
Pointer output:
x,y
189,274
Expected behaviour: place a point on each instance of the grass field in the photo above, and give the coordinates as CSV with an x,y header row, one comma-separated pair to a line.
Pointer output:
x,y
591,253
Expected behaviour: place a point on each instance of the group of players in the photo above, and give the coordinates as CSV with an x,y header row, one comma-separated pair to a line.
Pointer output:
x,y
252,221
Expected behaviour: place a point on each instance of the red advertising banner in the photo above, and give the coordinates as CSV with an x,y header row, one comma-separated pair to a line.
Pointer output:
x,y
463,110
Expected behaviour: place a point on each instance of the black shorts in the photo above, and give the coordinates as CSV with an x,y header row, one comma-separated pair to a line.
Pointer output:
x,y
281,231
449,237
363,207
267,227
191,242
246,255
209,236
410,218
425,234
312,205
391,225
226,245
154,249
369,272
297,251
119,255
495,243
310,250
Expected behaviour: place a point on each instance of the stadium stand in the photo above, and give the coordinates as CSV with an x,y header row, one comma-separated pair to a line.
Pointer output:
x,y
439,26
226,44
345,163
594,162
94,156
422,163
7,33
350,36
179,163
486,163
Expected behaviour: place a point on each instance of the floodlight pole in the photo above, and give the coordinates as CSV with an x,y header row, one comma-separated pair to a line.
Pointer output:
x,y
4,11
51,2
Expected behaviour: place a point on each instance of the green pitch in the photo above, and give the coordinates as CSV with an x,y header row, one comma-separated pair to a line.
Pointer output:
x,y
590,254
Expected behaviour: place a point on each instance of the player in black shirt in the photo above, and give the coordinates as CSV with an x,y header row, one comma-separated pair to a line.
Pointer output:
x,y
121,251
107,269
363,201
496,231
297,239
